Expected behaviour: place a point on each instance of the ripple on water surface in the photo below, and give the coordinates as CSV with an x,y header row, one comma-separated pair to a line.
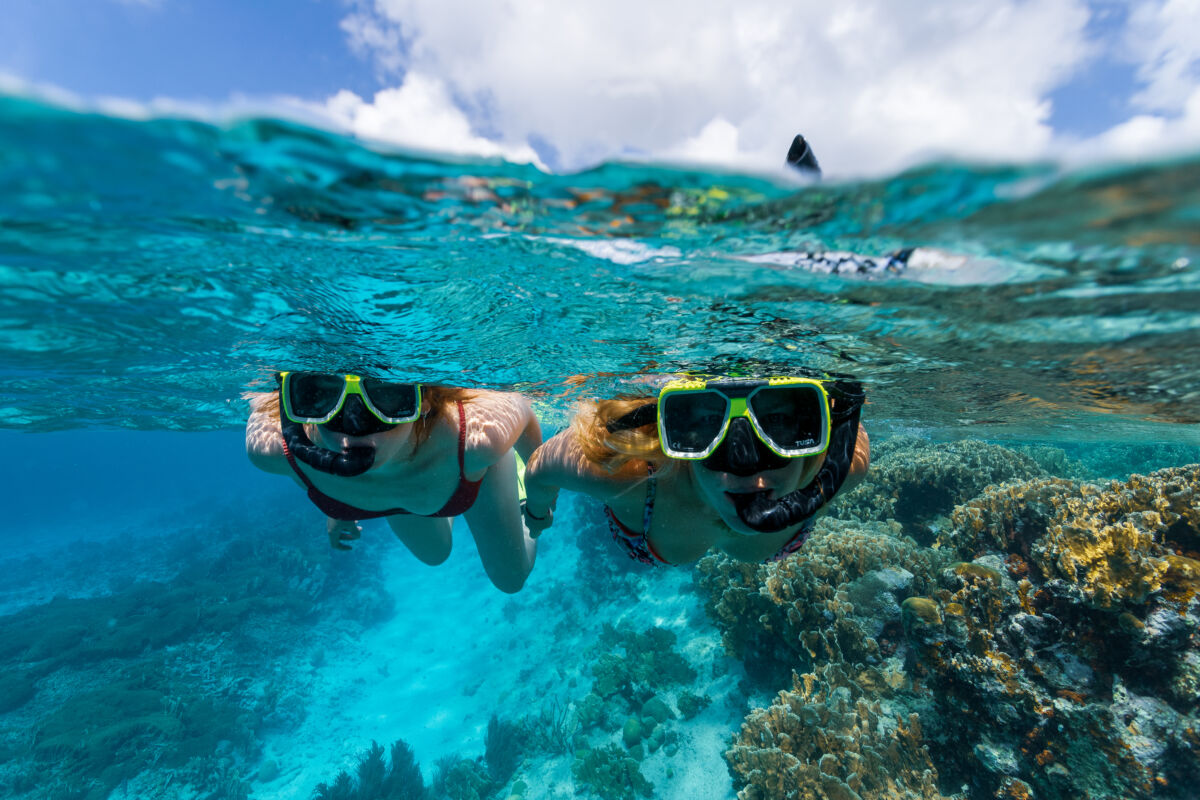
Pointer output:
x,y
160,267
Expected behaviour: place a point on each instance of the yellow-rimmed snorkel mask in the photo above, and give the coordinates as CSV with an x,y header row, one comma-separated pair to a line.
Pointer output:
x,y
788,415
317,397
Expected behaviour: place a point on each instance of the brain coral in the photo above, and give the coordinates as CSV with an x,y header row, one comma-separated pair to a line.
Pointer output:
x,y
913,481
823,741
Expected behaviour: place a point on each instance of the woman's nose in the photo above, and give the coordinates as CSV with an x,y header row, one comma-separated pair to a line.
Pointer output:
x,y
741,455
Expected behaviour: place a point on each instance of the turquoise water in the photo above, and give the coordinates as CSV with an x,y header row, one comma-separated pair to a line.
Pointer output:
x,y
162,267
153,271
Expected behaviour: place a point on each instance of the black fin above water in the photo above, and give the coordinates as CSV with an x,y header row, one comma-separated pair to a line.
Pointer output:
x,y
800,156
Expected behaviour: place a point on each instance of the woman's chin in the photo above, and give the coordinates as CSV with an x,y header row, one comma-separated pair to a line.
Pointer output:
x,y
732,501
735,524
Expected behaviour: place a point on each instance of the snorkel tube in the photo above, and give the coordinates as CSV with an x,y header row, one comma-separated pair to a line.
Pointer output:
x,y
346,464
768,516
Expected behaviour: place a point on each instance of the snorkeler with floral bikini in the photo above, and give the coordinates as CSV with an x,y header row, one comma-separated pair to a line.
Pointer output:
x,y
416,455
740,465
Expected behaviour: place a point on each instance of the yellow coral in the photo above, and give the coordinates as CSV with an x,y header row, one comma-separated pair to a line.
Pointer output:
x,y
821,741
1111,542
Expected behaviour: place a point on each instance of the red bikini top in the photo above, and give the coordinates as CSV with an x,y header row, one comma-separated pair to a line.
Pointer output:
x,y
462,499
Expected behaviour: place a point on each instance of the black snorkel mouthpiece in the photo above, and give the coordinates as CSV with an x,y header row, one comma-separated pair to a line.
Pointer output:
x,y
353,419
764,515
346,464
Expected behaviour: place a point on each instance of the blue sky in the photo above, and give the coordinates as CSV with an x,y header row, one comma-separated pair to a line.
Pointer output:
x,y
876,83
189,49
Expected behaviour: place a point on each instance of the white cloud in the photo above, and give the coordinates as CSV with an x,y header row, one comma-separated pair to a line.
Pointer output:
x,y
1149,135
418,114
874,84
1161,38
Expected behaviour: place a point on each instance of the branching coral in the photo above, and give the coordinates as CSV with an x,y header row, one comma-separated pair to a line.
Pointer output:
x,y
822,740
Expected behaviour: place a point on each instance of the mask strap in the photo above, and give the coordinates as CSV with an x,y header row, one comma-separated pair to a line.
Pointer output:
x,y
638,418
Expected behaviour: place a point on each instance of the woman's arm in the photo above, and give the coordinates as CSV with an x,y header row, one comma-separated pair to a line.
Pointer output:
x,y
496,423
561,464
264,446
264,438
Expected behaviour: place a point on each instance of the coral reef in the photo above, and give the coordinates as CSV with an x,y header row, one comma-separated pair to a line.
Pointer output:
x,y
153,676
1115,545
837,599
503,746
626,717
823,740
397,778
461,778
914,481
1067,651
1034,693
1047,645
610,774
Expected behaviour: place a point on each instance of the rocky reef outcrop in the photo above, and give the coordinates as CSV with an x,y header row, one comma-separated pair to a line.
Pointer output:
x,y
1045,644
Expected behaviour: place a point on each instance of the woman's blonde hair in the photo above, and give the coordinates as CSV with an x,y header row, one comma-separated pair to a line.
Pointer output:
x,y
617,451
436,399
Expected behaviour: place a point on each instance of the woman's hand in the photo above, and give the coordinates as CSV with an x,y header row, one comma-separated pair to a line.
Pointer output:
x,y
341,531
536,523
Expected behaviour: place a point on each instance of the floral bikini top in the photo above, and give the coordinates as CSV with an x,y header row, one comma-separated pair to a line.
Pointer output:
x,y
637,545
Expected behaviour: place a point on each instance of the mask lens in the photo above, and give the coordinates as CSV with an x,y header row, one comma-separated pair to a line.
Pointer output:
x,y
393,400
790,416
311,395
692,421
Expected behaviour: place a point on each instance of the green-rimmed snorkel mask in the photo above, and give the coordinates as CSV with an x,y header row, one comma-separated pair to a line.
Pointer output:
x,y
790,416
750,426
316,397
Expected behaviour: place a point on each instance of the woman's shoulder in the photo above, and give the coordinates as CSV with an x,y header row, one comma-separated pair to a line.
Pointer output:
x,y
264,439
487,401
